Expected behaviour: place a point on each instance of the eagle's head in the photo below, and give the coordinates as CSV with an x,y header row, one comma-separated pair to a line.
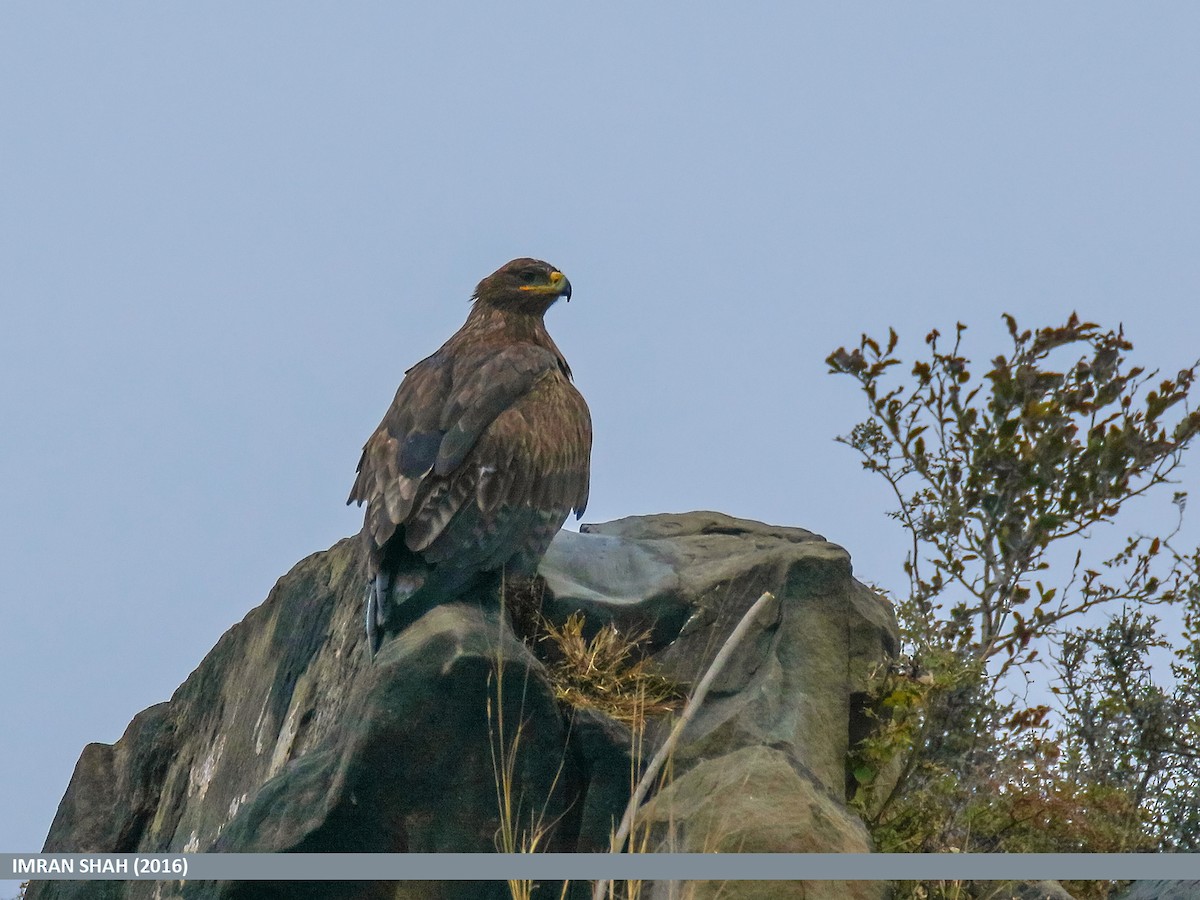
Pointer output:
x,y
524,285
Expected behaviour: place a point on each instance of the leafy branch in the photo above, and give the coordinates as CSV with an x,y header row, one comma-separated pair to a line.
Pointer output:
x,y
989,473
997,480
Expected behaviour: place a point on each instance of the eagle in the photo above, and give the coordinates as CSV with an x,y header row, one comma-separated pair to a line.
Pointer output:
x,y
481,457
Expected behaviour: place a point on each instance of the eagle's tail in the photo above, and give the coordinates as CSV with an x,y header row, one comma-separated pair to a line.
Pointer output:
x,y
388,593
404,587
377,596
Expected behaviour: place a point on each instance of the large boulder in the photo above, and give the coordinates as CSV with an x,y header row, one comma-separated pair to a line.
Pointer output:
x,y
287,737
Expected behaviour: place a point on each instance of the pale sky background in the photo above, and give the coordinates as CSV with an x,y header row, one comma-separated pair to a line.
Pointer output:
x,y
226,229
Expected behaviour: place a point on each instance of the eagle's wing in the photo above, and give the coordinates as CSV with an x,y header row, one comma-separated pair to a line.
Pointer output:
x,y
539,452
407,471
528,471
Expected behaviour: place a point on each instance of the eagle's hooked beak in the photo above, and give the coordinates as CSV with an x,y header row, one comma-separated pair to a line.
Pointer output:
x,y
559,280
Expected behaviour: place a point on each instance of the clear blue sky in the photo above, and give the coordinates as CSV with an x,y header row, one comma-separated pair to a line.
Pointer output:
x,y
226,229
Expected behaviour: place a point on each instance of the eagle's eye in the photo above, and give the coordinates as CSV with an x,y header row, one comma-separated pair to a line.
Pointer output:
x,y
529,276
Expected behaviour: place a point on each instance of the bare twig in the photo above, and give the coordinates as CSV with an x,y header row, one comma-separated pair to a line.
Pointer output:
x,y
689,712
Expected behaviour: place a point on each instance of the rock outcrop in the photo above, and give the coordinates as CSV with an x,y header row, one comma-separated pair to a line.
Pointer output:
x,y
287,737
1161,890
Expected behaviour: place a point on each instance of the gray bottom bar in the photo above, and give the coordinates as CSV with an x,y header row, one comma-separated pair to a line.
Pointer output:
x,y
591,866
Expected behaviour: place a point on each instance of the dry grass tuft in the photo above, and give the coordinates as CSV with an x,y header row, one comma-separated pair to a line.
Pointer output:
x,y
609,673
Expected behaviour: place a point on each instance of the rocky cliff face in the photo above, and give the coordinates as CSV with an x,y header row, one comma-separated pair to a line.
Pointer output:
x,y
1162,890
288,737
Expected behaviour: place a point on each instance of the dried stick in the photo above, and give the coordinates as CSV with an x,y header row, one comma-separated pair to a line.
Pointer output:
x,y
689,713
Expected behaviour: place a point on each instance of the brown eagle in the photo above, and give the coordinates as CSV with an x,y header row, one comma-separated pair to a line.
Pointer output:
x,y
481,457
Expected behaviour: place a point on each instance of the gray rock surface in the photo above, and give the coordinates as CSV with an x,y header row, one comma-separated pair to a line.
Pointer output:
x,y
287,737
1162,890
1020,890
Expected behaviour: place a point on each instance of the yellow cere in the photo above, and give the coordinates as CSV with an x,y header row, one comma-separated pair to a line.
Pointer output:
x,y
554,278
